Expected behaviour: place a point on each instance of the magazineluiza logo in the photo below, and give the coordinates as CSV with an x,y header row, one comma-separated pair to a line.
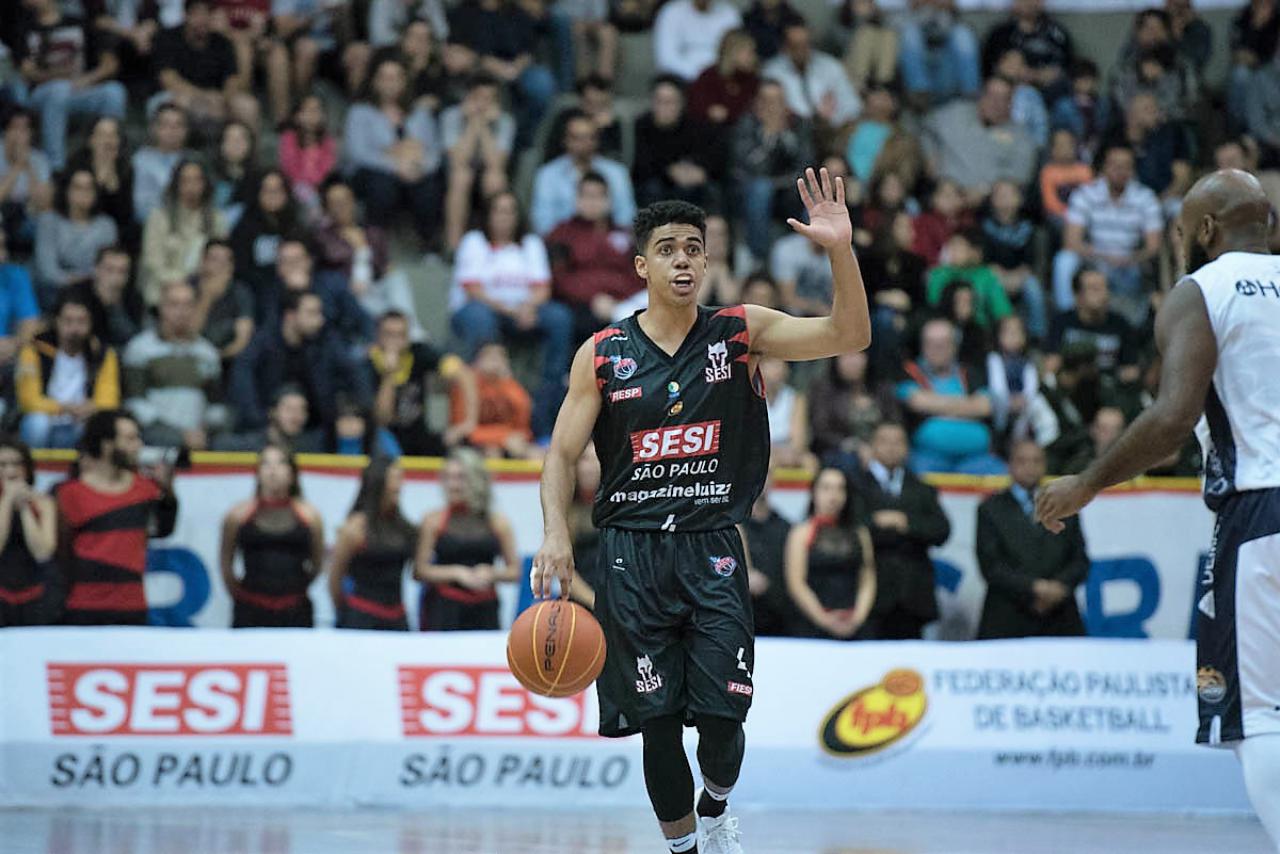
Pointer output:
x,y
875,717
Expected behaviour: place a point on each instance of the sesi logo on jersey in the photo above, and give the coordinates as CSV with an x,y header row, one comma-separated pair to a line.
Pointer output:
x,y
678,441
488,701
169,699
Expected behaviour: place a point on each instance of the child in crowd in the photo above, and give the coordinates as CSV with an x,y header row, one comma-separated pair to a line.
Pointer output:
x,y
506,410
962,259
1007,238
1012,379
308,153
1064,172
946,215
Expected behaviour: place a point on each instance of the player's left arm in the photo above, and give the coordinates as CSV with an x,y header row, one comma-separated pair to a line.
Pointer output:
x,y
848,326
1190,356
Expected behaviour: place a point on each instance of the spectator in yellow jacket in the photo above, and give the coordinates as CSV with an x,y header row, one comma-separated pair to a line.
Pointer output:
x,y
64,376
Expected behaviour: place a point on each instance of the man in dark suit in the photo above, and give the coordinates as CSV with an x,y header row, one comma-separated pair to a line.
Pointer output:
x,y
905,520
1031,574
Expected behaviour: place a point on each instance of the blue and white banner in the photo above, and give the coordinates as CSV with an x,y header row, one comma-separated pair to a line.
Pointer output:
x,y
316,718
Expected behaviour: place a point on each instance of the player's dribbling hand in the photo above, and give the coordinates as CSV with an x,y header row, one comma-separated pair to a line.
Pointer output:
x,y
553,561
829,225
1060,499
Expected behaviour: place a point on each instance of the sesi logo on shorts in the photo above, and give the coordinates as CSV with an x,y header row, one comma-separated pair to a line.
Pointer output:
x,y
488,701
676,442
649,681
169,699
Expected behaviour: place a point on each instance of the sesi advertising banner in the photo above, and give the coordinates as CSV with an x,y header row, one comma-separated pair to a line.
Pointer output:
x,y
1147,546
279,717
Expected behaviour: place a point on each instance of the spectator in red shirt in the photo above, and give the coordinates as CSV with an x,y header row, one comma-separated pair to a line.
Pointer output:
x,y
592,260
107,511
946,216
723,93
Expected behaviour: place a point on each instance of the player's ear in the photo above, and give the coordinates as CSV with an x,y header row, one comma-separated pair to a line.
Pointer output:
x,y
1208,231
642,267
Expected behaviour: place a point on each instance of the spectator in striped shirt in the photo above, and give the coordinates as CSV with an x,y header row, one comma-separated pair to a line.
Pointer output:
x,y
1115,224
173,377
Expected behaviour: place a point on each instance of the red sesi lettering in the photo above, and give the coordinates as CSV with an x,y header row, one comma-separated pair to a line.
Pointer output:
x,y
676,442
485,701
169,699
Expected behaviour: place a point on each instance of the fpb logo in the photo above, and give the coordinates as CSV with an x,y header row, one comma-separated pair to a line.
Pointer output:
x,y
875,717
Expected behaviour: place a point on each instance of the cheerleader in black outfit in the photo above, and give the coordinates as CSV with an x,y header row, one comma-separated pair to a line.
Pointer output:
x,y
281,540
29,534
463,550
374,544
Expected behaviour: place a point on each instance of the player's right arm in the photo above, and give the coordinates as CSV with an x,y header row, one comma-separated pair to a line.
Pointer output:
x,y
569,439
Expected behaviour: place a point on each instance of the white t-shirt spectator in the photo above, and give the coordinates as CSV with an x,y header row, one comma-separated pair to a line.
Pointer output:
x,y
1115,226
506,274
686,41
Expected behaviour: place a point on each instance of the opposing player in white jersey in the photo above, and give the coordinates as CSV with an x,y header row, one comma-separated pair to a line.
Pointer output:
x,y
1219,335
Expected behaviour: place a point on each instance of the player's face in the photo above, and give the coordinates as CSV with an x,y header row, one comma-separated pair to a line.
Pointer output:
x,y
673,263
829,493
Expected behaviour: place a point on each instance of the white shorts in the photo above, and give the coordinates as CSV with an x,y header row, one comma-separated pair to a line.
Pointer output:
x,y
1238,622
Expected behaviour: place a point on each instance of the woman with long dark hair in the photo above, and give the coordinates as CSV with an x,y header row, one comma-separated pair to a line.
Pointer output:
x,y
845,405
280,538
177,230
270,218
374,544
235,170
106,155
830,566
69,236
463,550
28,535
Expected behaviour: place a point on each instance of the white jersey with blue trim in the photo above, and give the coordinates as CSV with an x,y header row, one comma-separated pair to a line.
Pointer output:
x,y
1240,430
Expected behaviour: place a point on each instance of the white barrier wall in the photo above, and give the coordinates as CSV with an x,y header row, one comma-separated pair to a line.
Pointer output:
x,y
1146,546
328,718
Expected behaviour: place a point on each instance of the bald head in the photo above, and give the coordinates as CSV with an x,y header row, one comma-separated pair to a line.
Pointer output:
x,y
1226,210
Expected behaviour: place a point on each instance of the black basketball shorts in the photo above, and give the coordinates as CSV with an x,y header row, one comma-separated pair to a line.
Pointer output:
x,y
676,614
1238,622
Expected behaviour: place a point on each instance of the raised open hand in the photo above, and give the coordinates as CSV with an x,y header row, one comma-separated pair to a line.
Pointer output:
x,y
829,224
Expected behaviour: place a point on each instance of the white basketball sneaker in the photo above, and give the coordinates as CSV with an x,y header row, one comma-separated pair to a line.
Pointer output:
x,y
718,835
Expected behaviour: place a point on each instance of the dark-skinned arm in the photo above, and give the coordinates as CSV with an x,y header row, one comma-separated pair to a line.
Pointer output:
x,y
1190,356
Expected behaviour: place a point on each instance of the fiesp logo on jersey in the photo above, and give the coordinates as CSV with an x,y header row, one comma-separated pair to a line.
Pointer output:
x,y
875,717
488,701
676,442
101,699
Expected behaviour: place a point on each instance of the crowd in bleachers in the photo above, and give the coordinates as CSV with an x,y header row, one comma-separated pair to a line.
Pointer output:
x,y
213,207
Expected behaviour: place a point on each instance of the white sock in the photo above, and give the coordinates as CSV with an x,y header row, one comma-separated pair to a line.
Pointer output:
x,y
680,844
1260,758
715,793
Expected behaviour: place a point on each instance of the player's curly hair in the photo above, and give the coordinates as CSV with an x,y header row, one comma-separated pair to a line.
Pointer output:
x,y
659,214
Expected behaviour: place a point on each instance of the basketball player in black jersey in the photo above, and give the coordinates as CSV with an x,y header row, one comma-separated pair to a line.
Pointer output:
x,y
673,400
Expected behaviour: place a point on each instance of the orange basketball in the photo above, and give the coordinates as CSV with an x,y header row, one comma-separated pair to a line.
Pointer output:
x,y
556,648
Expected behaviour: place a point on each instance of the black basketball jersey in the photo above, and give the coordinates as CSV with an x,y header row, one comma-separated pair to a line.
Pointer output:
x,y
683,440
